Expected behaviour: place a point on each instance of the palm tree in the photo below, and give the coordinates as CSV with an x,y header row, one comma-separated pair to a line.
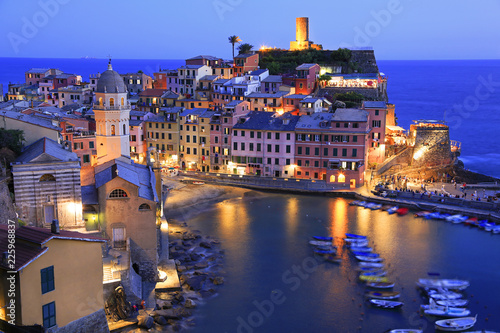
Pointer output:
x,y
245,48
233,40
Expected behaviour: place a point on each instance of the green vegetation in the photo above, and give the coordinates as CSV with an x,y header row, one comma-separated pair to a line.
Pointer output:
x,y
245,48
284,61
12,139
233,40
351,99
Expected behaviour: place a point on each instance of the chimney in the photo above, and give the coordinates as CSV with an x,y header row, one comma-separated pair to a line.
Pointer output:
x,y
54,227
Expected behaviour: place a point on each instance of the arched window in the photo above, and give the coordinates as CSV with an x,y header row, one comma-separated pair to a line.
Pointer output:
x,y
47,178
113,130
118,193
144,206
111,102
341,178
332,179
123,101
100,101
124,129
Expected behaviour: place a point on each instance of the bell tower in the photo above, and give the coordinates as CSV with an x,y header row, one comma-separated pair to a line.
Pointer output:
x,y
112,113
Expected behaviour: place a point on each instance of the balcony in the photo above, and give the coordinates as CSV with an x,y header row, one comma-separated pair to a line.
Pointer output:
x,y
97,106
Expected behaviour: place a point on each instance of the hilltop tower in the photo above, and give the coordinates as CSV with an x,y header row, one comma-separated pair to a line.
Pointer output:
x,y
112,113
302,41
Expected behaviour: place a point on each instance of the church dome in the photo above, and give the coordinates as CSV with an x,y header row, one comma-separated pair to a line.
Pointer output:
x,y
111,82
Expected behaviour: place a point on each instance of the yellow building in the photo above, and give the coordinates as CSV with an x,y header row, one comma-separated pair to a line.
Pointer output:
x,y
195,139
162,133
56,279
34,127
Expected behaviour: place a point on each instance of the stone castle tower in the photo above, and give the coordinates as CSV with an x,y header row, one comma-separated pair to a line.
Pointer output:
x,y
112,114
302,41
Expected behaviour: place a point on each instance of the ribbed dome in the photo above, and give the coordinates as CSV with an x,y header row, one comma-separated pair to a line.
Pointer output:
x,y
111,82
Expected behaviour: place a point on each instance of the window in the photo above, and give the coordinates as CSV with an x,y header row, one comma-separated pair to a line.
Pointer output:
x,y
252,134
118,193
277,136
341,178
277,161
355,138
269,135
49,314
144,206
325,151
47,278
75,146
355,125
287,161
344,152
307,151
242,146
47,178
235,145
242,133
91,144
376,112
288,149
235,133
268,160
288,136
335,151
337,124
354,152
299,163
259,147
376,123
276,148
259,135
86,158
299,151
251,146
113,130
269,148
316,165
316,151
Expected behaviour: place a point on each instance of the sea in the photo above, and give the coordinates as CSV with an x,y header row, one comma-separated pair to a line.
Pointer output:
x,y
464,93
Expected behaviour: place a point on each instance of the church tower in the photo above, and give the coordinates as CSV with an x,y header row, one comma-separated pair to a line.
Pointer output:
x,y
112,114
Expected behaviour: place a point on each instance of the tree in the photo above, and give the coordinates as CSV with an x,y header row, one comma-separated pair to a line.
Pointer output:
x,y
12,139
245,48
233,40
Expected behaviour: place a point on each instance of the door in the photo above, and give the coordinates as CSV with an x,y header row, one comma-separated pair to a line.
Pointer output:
x,y
353,183
119,238
277,173
48,213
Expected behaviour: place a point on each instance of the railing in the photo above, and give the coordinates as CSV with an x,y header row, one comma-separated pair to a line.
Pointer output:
x,y
110,107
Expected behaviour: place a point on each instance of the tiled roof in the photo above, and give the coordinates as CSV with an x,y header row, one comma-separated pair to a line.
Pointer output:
x,y
268,121
234,103
89,195
152,92
191,66
258,71
172,109
32,119
350,115
195,111
46,146
245,55
169,94
305,66
221,81
375,104
206,57
310,100
135,122
277,94
297,96
209,78
273,79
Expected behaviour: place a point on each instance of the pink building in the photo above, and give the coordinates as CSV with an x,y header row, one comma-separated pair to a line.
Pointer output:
x,y
332,147
271,84
263,143
137,139
305,78
377,121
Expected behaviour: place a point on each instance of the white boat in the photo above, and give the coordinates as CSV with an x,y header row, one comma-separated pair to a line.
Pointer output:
x,y
443,311
371,264
496,229
452,302
358,243
369,259
362,249
443,283
375,206
405,330
456,218
392,210
445,295
456,324
320,243
386,304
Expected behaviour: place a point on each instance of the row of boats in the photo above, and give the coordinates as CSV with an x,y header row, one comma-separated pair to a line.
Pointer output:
x,y
374,206
458,218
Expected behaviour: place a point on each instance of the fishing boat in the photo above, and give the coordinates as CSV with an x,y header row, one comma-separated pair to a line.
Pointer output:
x,y
443,283
402,211
370,264
386,207
455,324
489,226
353,242
366,254
393,210
444,311
368,269
374,278
323,238
471,221
452,302
496,229
405,330
369,259
386,304
422,213
383,294
361,249
374,273
457,218
355,236
445,295
380,285
375,206
320,243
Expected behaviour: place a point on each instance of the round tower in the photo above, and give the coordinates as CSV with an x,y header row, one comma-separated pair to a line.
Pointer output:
x,y
302,29
112,113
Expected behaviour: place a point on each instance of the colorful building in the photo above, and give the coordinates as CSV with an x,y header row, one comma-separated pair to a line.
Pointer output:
x,y
377,114
189,76
244,63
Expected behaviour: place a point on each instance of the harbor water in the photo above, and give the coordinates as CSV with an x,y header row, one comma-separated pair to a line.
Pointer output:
x,y
275,283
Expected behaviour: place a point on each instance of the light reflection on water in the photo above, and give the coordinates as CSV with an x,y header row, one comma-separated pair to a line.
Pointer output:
x,y
265,238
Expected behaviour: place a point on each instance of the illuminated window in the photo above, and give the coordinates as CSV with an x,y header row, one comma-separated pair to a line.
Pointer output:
x,y
100,100
118,193
123,101
332,179
341,178
47,178
144,206
113,132
111,102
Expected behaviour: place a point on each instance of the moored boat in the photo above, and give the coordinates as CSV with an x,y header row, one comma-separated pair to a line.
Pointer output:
x,y
444,311
361,249
445,295
332,251
355,236
453,284
422,213
370,264
456,324
393,210
405,330
452,302
369,259
323,238
354,203
366,254
356,242
386,207
374,278
368,269
402,211
373,273
333,259
383,294
320,243
380,285
386,304
375,206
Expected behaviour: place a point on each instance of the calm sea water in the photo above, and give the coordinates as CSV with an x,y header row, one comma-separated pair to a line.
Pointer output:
x,y
450,90
274,283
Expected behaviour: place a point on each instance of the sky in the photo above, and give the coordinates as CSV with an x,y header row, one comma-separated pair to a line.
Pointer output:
x,y
167,29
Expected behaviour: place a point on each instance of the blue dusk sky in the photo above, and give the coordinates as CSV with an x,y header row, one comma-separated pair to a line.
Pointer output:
x,y
167,29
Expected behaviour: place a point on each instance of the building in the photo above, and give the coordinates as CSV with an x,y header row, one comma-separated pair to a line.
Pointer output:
x,y
332,147
79,94
378,113
166,79
302,41
189,77
244,63
138,146
137,82
263,143
206,60
305,78
150,100
195,139
271,84
34,126
266,101
35,75
58,279
310,105
47,185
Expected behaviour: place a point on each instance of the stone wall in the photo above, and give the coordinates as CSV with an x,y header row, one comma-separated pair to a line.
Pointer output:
x,y
7,211
368,93
434,145
95,323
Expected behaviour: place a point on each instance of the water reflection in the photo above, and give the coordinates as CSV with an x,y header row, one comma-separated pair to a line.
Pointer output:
x,y
292,217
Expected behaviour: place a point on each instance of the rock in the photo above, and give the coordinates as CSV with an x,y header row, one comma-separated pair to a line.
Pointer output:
x,y
178,297
189,304
188,237
164,304
145,321
160,320
183,312
215,242
205,245
201,265
218,280
177,262
168,314
196,282
222,252
190,322
176,327
178,248
195,257
181,268
206,293
199,273
186,244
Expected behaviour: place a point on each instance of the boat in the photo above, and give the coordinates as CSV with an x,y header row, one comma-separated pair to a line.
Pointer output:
x,y
366,254
198,183
452,302
386,304
354,203
333,259
374,278
383,294
386,207
444,311
361,249
455,324
362,203
496,229
355,236
323,238
405,330
369,259
380,285
489,226
320,243
471,221
393,210
402,211
457,218
326,248
433,215
370,264
445,295
370,205
375,206
422,213
374,273
453,284
442,216
356,242
368,269
332,251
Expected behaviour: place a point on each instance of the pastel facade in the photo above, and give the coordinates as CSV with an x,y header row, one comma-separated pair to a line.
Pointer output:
x,y
189,76
150,100
244,63
137,82
378,114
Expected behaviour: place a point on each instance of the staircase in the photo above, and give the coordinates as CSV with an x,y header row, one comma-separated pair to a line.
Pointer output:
x,y
107,274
